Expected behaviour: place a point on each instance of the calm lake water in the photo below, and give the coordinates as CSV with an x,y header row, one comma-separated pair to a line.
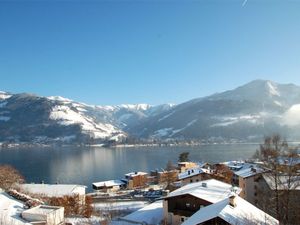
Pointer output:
x,y
85,165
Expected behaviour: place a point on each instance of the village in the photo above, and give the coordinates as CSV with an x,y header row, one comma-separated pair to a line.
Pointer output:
x,y
254,191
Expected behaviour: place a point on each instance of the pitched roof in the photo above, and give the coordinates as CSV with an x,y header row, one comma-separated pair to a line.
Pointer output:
x,y
192,172
133,174
248,172
10,210
209,190
242,213
284,182
109,183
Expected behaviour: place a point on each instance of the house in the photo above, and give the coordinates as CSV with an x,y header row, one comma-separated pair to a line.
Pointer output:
x,y
246,175
44,215
193,175
136,179
182,203
247,181
183,166
109,185
232,210
54,190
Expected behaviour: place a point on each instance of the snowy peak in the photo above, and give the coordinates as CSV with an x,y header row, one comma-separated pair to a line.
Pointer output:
x,y
253,110
4,95
272,88
59,98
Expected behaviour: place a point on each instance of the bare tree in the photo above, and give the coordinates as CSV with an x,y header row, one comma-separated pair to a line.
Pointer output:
x,y
9,176
280,161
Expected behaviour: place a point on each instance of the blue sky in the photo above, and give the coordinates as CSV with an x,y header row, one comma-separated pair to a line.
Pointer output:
x,y
112,52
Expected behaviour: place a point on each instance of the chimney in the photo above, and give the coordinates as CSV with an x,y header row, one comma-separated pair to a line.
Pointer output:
x,y
232,201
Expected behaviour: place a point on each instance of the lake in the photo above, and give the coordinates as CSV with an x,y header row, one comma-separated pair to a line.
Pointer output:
x,y
85,165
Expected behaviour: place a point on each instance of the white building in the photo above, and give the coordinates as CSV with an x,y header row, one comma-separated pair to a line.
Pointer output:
x,y
44,215
109,185
53,190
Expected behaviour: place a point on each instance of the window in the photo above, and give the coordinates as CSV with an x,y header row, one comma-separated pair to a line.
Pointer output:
x,y
191,181
182,219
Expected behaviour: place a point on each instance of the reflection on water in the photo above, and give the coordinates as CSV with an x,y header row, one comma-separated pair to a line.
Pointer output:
x,y
84,165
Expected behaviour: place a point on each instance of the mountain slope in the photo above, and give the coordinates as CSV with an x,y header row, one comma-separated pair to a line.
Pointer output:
x,y
247,112
30,118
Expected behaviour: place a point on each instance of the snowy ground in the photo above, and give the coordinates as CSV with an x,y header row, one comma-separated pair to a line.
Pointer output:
x,y
94,220
151,214
122,205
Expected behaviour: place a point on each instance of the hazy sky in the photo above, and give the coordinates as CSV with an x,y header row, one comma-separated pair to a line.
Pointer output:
x,y
112,52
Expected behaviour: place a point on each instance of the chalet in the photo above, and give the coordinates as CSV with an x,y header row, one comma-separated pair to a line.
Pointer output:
x,y
44,215
233,210
193,175
181,204
136,179
109,185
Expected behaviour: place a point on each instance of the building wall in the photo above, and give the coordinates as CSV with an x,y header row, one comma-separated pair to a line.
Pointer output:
x,y
80,190
56,217
249,188
176,210
195,178
186,166
137,181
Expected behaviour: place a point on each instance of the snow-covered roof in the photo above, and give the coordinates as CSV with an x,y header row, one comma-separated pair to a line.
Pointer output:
x,y
133,174
242,213
150,214
109,183
10,210
248,172
52,190
42,210
283,182
243,169
210,190
237,165
192,172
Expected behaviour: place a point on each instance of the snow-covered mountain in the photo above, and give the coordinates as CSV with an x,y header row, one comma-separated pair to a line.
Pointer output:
x,y
30,118
247,112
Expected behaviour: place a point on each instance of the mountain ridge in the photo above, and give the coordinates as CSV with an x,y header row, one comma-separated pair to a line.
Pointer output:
x,y
245,113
